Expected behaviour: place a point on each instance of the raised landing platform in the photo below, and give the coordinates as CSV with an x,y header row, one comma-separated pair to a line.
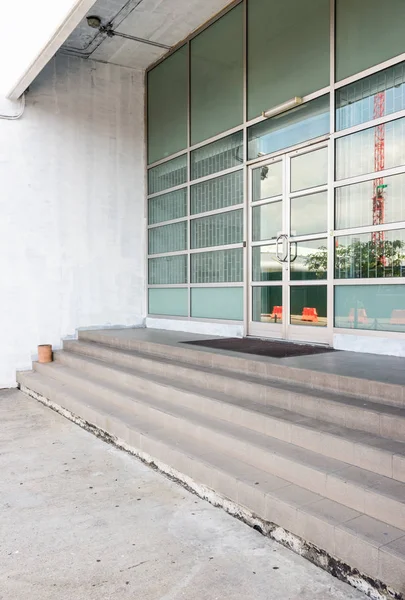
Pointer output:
x,y
311,449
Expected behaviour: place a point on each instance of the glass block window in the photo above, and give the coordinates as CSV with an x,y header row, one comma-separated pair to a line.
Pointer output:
x,y
372,307
168,238
217,193
369,255
355,153
168,270
218,156
375,96
218,230
217,267
167,175
167,207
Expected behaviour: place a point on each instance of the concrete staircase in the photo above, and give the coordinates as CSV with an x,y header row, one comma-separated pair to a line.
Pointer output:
x,y
315,460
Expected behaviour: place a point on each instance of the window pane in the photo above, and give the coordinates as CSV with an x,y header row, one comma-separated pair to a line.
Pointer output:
x,y
267,305
217,77
266,267
170,301
309,260
168,238
217,303
308,121
217,267
168,269
355,203
218,230
267,221
309,214
167,207
367,33
376,96
285,58
309,170
167,106
379,254
168,175
356,153
308,305
218,156
217,193
268,181
373,307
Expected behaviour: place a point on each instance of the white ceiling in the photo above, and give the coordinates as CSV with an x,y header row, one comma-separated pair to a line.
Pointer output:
x,y
162,22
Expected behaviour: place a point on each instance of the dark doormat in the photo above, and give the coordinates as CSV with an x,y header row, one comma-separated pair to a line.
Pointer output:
x,y
273,348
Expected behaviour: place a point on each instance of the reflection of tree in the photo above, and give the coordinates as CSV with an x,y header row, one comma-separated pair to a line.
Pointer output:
x,y
362,259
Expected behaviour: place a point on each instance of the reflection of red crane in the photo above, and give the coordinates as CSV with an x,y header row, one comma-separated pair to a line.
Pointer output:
x,y
379,163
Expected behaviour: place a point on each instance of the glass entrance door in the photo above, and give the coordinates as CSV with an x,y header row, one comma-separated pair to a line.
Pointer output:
x,y
289,246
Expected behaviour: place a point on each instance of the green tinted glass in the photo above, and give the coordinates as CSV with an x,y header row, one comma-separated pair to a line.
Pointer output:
x,y
169,301
367,33
217,77
288,51
167,106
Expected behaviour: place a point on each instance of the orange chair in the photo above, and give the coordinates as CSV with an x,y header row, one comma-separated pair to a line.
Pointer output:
x,y
361,316
309,314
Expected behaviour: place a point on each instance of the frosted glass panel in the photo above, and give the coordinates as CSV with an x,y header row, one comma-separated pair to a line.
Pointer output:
x,y
306,122
218,230
217,303
167,207
167,106
367,33
169,301
373,307
376,96
354,203
369,255
168,238
217,77
168,269
288,51
355,154
217,156
167,175
217,267
217,193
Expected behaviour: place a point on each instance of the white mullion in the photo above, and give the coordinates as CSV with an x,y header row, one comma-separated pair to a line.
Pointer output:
x,y
309,191
163,254
371,281
216,138
217,211
371,71
167,191
370,176
271,200
369,124
163,223
215,175
305,282
215,248
280,153
158,286
218,284
370,229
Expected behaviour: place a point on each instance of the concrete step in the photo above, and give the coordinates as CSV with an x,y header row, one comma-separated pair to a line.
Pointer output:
x,y
265,405
373,547
244,364
357,488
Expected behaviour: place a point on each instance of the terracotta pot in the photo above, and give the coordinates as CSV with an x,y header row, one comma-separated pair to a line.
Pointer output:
x,y
45,353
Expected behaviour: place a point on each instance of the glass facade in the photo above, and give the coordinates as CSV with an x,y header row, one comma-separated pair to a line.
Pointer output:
x,y
274,218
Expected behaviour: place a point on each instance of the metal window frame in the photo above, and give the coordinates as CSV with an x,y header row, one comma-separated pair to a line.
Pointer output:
x,y
247,167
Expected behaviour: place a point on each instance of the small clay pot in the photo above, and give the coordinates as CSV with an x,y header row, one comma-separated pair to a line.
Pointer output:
x,y
45,353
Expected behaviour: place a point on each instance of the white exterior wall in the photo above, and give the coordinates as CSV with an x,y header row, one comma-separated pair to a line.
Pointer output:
x,y
72,250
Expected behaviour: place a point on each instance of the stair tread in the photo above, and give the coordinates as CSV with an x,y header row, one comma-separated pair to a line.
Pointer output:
x,y
385,486
377,533
340,398
314,424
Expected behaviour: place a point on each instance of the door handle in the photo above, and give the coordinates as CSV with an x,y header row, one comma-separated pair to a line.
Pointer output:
x,y
278,257
295,253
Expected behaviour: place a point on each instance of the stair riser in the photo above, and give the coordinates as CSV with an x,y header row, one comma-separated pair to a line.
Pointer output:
x,y
333,539
381,392
305,476
353,417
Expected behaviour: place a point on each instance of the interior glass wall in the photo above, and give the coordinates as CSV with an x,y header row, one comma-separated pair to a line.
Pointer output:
x,y
345,203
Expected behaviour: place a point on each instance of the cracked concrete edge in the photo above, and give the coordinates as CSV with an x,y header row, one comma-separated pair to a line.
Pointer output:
x,y
373,588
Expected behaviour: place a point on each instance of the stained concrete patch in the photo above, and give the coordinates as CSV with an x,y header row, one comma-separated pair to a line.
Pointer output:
x,y
83,520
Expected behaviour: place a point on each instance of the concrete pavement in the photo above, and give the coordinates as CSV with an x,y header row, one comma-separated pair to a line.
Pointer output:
x,y
81,520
